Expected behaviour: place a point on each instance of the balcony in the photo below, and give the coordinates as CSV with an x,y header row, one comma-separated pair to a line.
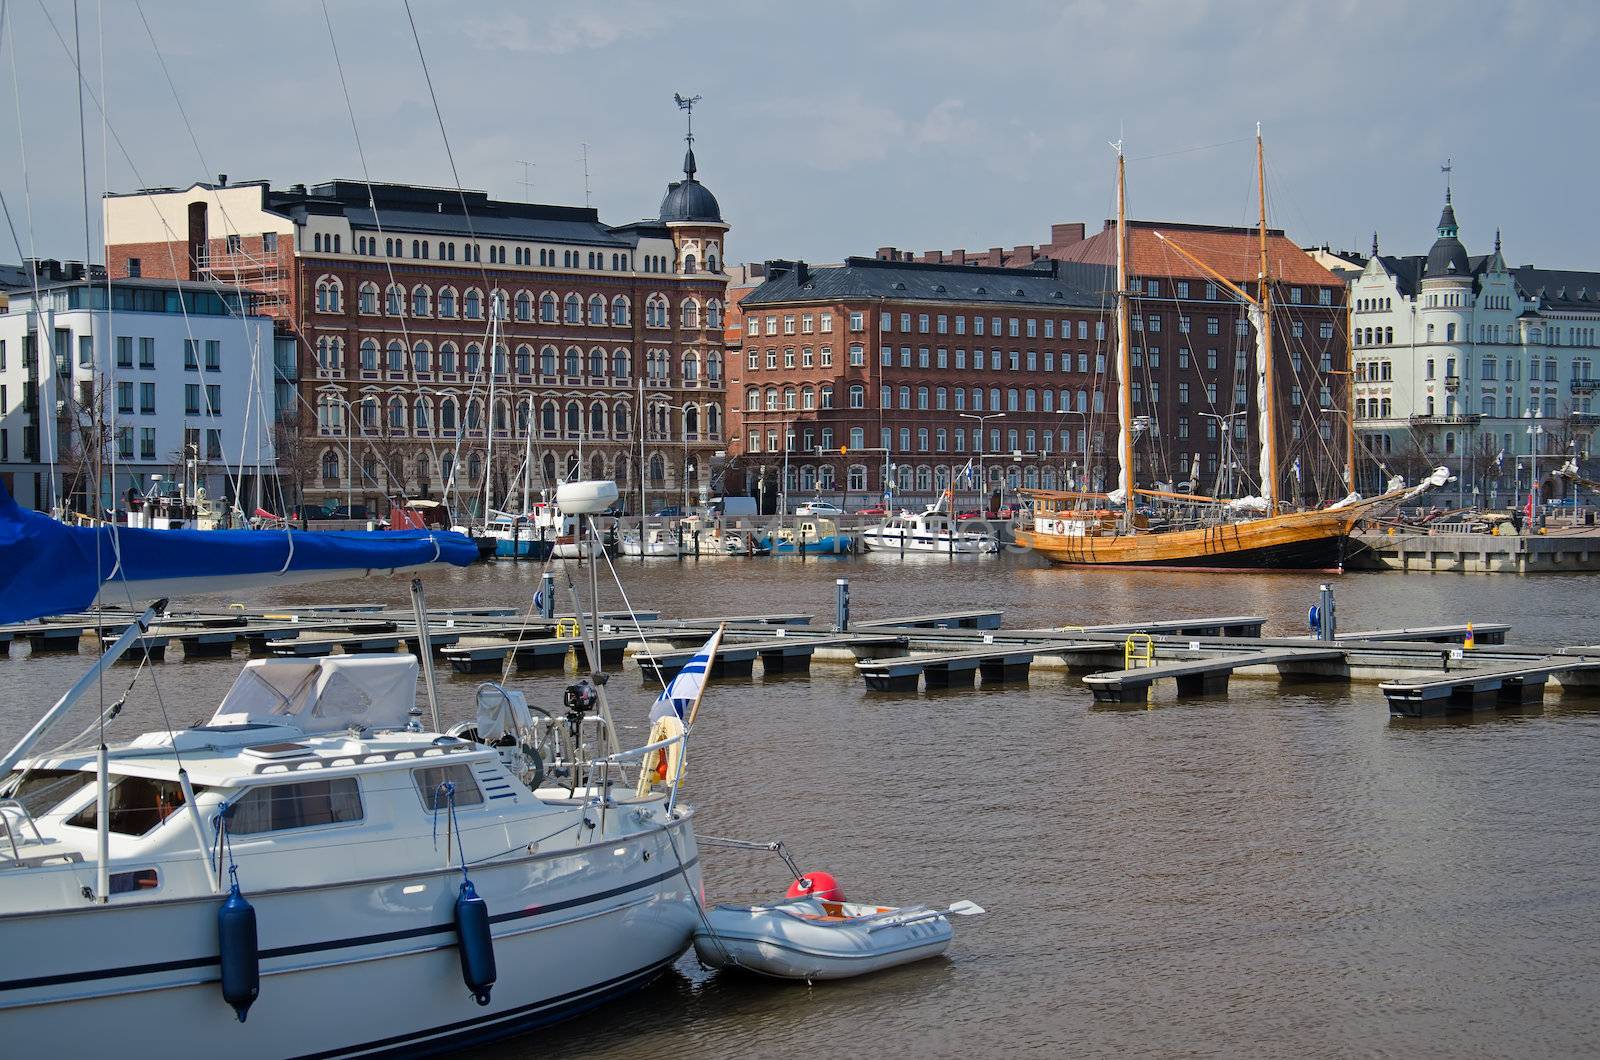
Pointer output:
x,y
1585,386
1452,383
1458,419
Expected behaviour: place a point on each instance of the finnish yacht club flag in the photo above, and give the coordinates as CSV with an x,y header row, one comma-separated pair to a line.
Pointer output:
x,y
679,696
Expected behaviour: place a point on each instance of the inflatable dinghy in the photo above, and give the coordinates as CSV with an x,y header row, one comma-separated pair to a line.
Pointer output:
x,y
811,938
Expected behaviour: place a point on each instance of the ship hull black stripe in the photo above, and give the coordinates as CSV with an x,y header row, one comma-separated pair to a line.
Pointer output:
x,y
501,1024
335,944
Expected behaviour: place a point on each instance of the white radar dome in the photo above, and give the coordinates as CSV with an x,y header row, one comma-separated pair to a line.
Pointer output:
x,y
586,498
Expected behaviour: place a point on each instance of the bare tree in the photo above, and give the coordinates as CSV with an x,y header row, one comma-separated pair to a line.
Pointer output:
x,y
295,453
86,432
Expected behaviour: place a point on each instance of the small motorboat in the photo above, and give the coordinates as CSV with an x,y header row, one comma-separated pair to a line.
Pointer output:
x,y
814,938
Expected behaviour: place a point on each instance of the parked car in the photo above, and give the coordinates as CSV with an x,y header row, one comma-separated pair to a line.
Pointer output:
x,y
355,511
823,508
670,512
876,509
970,513
311,511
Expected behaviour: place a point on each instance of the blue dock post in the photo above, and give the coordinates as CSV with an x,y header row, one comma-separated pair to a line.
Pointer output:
x,y
1327,622
547,596
841,604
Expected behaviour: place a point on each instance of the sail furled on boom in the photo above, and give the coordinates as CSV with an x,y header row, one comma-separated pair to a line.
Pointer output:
x,y
1269,439
49,568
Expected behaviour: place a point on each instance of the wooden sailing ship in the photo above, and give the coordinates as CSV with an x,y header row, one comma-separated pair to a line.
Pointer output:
x,y
1184,530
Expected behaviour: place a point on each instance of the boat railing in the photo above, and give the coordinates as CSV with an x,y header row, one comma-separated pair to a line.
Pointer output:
x,y
15,817
619,757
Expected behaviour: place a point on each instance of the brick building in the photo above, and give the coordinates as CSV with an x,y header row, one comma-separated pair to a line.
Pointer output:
x,y
429,319
1043,380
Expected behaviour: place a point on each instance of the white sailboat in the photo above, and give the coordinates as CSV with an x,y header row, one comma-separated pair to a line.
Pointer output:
x,y
315,858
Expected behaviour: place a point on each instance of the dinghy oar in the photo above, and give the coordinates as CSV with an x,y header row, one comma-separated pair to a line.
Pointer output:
x,y
917,916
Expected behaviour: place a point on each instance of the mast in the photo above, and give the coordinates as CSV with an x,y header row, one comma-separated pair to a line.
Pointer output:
x,y
488,419
1124,365
1349,392
1269,426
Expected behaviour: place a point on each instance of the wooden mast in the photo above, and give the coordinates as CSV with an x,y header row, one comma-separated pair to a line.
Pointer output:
x,y
1269,426
1124,365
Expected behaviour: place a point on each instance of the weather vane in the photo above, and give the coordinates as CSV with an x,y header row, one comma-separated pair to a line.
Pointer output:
x,y
686,103
1449,164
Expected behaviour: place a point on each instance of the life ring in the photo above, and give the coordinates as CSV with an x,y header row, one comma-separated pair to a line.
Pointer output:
x,y
664,764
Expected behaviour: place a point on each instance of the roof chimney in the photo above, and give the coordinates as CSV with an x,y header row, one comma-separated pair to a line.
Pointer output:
x,y
802,273
222,179
888,254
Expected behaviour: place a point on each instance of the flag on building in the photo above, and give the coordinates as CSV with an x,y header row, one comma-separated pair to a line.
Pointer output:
x,y
679,696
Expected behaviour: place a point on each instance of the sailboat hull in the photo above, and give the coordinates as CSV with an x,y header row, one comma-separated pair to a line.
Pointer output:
x,y
1300,541
355,969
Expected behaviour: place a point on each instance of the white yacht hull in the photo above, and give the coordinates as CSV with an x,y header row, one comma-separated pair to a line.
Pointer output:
x,y
890,540
357,969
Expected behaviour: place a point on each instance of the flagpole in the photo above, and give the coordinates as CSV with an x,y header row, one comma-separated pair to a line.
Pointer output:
x,y
711,656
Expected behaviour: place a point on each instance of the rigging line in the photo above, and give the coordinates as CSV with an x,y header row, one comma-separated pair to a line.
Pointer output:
x,y
1192,150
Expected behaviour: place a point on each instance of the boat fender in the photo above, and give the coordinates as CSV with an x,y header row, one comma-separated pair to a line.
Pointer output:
x,y
816,885
475,943
239,950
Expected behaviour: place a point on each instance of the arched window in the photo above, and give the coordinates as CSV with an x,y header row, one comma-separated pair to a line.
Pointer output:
x,y
574,311
447,302
474,414
691,421
574,365
330,295
547,419
752,399
447,358
473,305
524,359
655,312
713,311
597,466
714,367
689,265
421,416
827,395
772,399
447,415
472,363
369,355
788,399
369,414
574,424
620,422
500,359
597,420
330,465
394,300
397,415
691,368
549,464
422,471
690,310
621,470
597,362
547,361
447,468
547,308
619,363
658,471
597,310
397,356
367,299
524,305
419,301
619,311
808,397
502,416
858,396
421,358
499,304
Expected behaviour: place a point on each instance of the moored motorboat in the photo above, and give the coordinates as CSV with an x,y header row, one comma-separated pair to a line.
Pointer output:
x,y
815,938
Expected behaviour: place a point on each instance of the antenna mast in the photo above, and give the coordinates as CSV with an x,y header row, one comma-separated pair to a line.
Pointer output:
x,y
527,179
585,146
1269,429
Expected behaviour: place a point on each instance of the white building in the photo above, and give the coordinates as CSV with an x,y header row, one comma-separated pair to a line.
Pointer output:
x,y
1470,362
182,372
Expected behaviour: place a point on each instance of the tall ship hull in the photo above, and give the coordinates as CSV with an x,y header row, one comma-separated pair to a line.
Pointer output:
x,y
1298,541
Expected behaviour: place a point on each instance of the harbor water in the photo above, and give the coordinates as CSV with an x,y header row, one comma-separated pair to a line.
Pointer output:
x,y
1282,872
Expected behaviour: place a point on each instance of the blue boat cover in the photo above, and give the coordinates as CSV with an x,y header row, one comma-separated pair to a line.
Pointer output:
x,y
49,568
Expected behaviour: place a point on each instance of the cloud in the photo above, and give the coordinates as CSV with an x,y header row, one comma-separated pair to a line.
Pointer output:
x,y
566,31
947,124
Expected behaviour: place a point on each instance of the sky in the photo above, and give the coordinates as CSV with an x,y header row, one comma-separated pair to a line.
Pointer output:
x,y
832,128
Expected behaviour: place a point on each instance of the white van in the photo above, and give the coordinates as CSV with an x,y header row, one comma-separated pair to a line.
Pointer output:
x,y
732,507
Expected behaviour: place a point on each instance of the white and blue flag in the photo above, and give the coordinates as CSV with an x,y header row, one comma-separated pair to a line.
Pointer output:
x,y
685,689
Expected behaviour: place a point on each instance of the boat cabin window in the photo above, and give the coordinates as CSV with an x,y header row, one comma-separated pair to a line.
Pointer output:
x,y
42,790
134,881
277,807
430,780
138,804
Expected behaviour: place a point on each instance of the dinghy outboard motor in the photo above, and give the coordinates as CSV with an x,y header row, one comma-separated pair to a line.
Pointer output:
x,y
475,943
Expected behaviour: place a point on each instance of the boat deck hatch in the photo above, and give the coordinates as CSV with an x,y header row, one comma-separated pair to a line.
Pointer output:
x,y
276,751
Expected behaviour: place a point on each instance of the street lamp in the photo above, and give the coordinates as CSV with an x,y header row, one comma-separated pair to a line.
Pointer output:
x,y
685,476
349,454
983,483
1227,460
1535,434
1085,415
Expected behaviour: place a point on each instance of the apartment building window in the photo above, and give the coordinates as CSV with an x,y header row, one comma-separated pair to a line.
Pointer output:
x,y
806,357
977,325
858,321
827,356
905,323
213,399
772,358
922,323
1033,329
147,398
826,323
147,353
213,444
1012,328
213,355
788,357
858,355
961,325
124,352
191,399
788,325
905,357
135,268
885,321
124,397
886,397
147,443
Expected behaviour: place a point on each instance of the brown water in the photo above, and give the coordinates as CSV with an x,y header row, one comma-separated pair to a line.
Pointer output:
x,y
1284,872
